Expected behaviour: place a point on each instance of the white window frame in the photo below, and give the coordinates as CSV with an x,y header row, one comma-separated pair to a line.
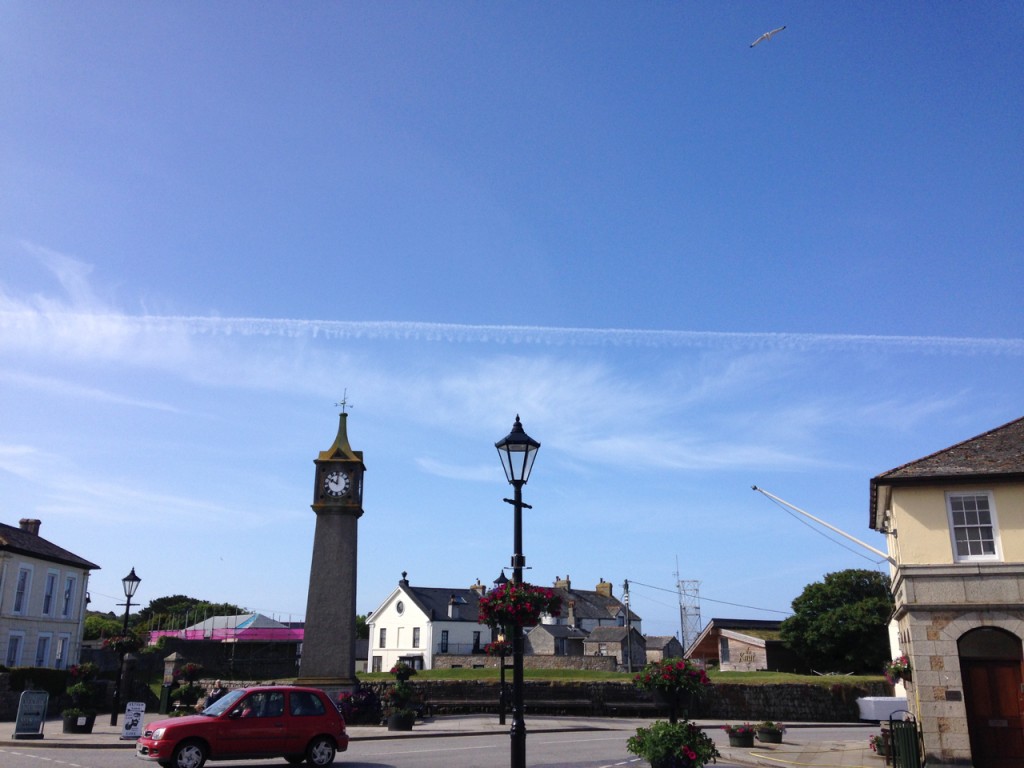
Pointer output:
x,y
22,590
44,648
63,647
70,597
997,554
15,648
50,592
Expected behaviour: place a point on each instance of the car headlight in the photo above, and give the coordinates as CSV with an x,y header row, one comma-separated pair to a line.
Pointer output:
x,y
158,734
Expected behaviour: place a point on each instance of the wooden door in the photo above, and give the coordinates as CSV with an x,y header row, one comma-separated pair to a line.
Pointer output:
x,y
992,694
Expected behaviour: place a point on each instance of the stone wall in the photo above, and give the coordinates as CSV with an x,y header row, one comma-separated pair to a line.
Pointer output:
x,y
783,702
455,661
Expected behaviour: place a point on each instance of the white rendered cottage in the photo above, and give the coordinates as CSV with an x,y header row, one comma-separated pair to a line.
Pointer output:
x,y
416,623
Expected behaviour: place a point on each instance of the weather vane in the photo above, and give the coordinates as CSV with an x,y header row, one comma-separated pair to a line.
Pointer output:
x,y
344,401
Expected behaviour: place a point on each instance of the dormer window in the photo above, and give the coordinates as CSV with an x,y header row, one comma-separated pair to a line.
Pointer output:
x,y
972,526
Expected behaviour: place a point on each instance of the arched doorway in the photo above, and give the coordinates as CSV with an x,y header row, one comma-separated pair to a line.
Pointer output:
x,y
990,665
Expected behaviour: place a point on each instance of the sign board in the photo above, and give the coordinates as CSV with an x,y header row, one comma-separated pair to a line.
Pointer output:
x,y
134,711
31,715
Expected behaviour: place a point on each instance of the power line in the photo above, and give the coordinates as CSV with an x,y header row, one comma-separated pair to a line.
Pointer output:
x,y
634,582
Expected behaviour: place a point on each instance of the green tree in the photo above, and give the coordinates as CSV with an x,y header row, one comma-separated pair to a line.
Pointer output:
x,y
841,623
99,625
362,628
179,611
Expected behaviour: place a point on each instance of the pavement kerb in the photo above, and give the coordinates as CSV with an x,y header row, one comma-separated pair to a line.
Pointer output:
x,y
828,754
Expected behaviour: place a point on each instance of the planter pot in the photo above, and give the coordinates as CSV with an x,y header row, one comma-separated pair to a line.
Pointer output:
x,y
79,723
401,721
770,737
882,750
741,739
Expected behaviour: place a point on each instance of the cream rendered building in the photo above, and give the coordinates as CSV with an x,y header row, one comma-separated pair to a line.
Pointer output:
x,y
955,527
43,597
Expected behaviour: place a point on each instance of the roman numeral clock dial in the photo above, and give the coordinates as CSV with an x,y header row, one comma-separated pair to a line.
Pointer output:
x,y
336,483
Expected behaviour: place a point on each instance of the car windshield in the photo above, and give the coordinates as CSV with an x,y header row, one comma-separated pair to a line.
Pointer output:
x,y
224,703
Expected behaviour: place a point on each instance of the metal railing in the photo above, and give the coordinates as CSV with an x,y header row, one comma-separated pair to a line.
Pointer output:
x,y
459,649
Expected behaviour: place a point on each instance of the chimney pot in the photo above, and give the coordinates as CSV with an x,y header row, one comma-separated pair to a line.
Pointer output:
x,y
29,525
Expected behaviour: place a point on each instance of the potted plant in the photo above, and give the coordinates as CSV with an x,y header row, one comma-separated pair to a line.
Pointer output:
x,y
674,683
188,693
397,710
740,735
770,732
878,745
897,669
673,745
80,716
398,700
517,605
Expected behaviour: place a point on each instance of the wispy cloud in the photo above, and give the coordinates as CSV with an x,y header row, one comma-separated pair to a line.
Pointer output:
x,y
40,322
68,389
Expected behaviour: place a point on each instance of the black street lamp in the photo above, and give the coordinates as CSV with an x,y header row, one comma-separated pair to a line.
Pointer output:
x,y
502,654
502,698
517,451
130,584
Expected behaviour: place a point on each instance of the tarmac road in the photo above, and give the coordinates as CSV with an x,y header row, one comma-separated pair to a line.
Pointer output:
x,y
805,745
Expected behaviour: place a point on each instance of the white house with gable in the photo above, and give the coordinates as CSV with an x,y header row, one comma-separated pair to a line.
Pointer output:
x,y
415,623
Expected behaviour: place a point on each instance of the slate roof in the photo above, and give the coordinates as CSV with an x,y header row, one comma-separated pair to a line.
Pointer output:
x,y
240,621
996,455
24,543
607,635
561,630
433,601
590,605
660,642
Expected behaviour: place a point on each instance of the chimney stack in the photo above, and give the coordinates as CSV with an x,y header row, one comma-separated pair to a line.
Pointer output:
x,y
604,588
29,525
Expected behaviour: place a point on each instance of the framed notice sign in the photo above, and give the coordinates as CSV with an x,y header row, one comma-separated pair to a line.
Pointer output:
x,y
134,711
31,715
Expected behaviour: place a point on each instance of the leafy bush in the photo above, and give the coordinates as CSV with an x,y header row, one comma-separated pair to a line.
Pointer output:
x,y
360,708
673,745
53,681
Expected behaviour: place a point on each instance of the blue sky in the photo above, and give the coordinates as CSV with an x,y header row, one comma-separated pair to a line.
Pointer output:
x,y
690,265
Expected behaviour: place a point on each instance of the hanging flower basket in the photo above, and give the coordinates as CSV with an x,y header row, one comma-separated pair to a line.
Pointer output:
x,y
402,671
126,642
897,669
498,648
517,605
675,683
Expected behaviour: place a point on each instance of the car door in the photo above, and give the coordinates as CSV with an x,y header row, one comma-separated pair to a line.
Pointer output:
x,y
255,726
306,714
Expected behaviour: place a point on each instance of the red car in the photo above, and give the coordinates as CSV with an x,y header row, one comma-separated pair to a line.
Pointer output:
x,y
298,724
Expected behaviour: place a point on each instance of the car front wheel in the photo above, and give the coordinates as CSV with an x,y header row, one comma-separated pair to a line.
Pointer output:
x,y
191,754
320,751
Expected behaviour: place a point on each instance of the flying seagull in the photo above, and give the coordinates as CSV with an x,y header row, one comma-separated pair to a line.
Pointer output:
x,y
767,36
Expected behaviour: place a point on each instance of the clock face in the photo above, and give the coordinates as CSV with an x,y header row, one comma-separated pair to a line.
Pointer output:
x,y
336,483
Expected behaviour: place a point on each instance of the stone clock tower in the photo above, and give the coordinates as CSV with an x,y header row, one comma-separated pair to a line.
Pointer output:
x,y
328,648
